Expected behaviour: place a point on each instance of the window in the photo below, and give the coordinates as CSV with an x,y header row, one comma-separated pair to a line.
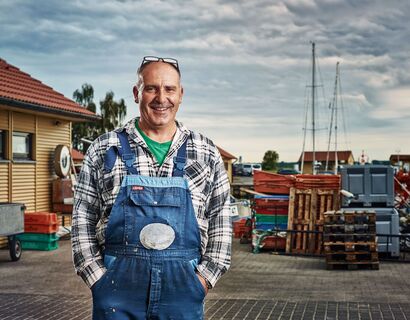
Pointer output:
x,y
2,144
22,146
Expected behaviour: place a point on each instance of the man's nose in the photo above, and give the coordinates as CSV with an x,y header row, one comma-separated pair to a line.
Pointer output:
x,y
161,96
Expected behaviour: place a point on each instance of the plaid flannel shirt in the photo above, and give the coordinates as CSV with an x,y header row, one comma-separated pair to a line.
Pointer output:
x,y
96,191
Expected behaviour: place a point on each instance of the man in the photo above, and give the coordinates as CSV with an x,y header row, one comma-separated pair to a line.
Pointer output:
x,y
151,229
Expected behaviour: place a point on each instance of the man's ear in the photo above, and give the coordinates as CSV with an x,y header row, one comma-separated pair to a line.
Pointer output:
x,y
135,91
182,93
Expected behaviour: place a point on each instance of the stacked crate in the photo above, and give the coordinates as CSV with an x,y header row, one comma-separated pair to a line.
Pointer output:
x,y
270,220
350,240
40,231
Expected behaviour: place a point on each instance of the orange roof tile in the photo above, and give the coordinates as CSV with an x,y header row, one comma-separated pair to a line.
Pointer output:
x,y
18,86
225,154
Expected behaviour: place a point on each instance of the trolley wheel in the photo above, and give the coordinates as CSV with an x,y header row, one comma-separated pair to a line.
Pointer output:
x,y
15,248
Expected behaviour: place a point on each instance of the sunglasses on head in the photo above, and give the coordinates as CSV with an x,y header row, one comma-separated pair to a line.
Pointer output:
x,y
148,59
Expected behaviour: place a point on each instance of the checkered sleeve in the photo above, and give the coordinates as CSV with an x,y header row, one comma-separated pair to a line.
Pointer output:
x,y
217,257
86,214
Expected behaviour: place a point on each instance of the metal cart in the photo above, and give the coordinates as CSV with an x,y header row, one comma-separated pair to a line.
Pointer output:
x,y
12,224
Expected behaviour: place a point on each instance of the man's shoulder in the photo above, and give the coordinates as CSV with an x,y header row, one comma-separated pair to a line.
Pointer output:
x,y
100,145
204,146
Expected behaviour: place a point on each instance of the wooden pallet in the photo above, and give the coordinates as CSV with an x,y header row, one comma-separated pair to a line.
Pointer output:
x,y
350,217
349,257
349,228
349,246
306,210
349,237
340,265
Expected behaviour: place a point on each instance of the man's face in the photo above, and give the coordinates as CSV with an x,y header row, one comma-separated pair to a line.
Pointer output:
x,y
159,94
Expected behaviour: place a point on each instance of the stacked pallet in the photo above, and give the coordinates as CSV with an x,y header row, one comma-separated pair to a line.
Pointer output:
x,y
350,240
270,219
40,230
310,196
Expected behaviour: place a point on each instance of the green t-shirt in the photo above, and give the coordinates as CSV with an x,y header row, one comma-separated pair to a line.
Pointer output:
x,y
158,149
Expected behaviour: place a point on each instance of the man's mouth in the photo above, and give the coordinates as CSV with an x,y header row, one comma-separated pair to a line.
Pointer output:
x,y
160,108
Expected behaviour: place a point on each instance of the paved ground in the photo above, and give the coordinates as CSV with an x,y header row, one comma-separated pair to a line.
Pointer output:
x,y
42,285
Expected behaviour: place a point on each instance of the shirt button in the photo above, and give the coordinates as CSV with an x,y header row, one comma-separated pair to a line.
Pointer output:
x,y
155,202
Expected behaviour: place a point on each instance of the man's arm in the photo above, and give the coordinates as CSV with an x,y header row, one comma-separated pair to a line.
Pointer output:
x,y
217,258
86,213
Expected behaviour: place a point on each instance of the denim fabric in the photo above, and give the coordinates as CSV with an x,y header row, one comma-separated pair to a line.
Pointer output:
x,y
143,283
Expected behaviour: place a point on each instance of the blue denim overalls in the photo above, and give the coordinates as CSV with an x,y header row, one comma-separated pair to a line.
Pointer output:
x,y
152,246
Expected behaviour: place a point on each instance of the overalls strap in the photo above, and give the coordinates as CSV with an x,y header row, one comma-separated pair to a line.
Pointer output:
x,y
179,161
127,155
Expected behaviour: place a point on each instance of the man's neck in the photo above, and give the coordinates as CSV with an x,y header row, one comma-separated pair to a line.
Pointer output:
x,y
162,134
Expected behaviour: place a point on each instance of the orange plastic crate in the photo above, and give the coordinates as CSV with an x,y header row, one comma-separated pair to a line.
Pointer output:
x,y
43,218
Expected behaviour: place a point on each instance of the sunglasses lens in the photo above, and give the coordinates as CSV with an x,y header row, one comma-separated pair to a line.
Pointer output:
x,y
171,61
151,59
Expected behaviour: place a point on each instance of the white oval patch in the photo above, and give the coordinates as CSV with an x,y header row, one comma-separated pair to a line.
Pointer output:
x,y
157,236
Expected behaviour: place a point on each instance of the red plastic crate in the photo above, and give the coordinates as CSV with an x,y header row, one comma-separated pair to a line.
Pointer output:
x,y
266,202
272,211
274,242
41,228
272,183
42,218
240,227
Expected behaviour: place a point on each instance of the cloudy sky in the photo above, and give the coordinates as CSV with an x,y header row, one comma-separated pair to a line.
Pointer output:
x,y
245,64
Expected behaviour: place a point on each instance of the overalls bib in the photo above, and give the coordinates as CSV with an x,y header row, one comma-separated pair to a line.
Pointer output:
x,y
152,246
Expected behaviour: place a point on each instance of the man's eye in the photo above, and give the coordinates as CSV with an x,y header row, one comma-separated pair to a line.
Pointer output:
x,y
170,89
150,89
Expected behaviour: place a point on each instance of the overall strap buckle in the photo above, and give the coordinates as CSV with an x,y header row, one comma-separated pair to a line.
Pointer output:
x,y
180,161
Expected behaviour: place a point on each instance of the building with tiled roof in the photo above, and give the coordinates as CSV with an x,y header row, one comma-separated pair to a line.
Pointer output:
x,y
34,120
18,90
228,159
343,158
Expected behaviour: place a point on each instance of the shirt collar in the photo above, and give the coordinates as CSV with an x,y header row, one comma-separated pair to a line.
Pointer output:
x,y
180,136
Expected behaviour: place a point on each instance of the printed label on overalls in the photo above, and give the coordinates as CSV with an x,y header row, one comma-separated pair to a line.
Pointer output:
x,y
137,188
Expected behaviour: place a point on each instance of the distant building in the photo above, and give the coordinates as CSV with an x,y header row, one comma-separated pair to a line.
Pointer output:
x,y
343,158
400,160
228,159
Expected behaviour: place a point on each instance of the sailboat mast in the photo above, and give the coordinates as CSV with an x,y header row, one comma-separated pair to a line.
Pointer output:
x,y
313,108
336,107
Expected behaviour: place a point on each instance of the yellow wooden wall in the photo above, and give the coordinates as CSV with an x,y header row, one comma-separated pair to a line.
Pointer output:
x,y
48,137
31,182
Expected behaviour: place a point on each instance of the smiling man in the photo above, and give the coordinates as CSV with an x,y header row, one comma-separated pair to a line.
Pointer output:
x,y
151,229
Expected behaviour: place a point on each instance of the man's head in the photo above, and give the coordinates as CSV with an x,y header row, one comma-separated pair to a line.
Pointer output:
x,y
158,93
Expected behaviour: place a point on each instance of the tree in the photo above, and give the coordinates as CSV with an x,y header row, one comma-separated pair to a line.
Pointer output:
x,y
270,160
112,112
112,115
88,130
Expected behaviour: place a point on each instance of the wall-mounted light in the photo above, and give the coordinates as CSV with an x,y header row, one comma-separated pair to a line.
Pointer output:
x,y
57,123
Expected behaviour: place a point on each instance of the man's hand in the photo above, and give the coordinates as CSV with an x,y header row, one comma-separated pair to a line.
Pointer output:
x,y
203,282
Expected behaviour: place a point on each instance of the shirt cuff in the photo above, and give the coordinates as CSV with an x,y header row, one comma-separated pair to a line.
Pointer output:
x,y
210,271
93,272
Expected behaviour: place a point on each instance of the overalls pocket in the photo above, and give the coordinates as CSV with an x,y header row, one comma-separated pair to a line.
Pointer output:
x,y
194,282
110,263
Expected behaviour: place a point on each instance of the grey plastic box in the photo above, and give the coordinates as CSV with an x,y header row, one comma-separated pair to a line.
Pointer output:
x,y
11,218
373,185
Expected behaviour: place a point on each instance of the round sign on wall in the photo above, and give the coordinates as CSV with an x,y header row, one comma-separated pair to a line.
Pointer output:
x,y
62,160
